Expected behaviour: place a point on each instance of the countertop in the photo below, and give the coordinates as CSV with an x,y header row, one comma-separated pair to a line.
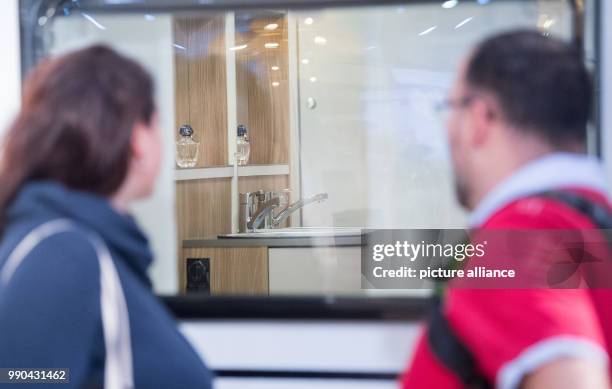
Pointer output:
x,y
328,241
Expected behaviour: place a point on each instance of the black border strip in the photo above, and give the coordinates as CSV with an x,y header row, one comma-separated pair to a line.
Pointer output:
x,y
216,5
598,77
206,307
305,374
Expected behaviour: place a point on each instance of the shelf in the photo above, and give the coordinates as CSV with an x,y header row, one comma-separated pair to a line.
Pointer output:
x,y
228,171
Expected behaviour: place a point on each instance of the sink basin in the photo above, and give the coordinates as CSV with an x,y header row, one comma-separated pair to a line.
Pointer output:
x,y
297,232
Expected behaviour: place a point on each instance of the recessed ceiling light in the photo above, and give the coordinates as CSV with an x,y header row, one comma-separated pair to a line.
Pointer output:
x,y
430,29
308,21
463,22
275,68
275,84
239,47
313,79
548,23
271,45
271,26
450,4
320,40
93,21
305,61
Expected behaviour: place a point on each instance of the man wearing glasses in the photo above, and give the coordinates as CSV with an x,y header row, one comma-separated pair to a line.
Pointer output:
x,y
517,126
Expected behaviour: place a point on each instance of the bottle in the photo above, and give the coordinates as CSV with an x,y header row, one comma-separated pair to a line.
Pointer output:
x,y
186,148
243,147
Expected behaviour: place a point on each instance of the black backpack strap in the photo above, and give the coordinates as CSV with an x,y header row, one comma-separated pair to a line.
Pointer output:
x,y
450,350
444,343
599,214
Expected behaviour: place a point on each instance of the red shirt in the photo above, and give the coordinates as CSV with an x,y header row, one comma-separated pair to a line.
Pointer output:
x,y
512,332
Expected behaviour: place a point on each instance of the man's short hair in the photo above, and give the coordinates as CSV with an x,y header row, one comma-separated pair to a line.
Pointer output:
x,y
540,83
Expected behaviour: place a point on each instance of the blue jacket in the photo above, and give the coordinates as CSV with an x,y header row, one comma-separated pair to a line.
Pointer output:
x,y
50,310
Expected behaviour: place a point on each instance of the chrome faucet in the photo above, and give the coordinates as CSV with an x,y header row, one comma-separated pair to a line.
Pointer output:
x,y
285,213
260,216
257,209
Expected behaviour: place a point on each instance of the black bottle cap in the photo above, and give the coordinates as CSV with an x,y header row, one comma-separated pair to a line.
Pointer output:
x,y
242,130
186,130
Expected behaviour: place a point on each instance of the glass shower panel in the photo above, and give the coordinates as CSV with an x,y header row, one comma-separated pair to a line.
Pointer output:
x,y
369,81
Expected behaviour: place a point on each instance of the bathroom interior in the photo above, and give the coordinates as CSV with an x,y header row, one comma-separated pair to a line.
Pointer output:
x,y
287,132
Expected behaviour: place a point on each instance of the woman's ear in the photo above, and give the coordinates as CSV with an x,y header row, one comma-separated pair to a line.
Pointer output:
x,y
138,140
143,137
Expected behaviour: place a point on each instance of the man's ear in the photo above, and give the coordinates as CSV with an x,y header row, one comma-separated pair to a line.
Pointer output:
x,y
483,116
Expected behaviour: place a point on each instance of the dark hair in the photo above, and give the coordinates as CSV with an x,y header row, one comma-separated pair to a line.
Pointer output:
x,y
75,123
540,83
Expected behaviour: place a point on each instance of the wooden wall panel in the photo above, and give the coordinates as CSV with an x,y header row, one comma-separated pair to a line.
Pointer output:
x,y
262,106
203,208
253,183
233,270
181,75
200,84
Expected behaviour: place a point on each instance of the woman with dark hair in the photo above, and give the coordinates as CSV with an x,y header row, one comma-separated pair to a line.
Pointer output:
x,y
74,290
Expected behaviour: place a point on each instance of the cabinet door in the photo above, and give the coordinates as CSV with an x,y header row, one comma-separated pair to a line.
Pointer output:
x,y
315,270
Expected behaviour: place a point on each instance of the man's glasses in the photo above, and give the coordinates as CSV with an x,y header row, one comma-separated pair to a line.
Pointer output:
x,y
444,107
447,105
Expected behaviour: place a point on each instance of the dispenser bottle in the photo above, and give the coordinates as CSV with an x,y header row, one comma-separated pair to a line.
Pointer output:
x,y
243,147
186,148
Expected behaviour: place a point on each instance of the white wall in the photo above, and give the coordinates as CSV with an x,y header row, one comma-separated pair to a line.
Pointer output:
x,y
10,74
321,346
149,41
